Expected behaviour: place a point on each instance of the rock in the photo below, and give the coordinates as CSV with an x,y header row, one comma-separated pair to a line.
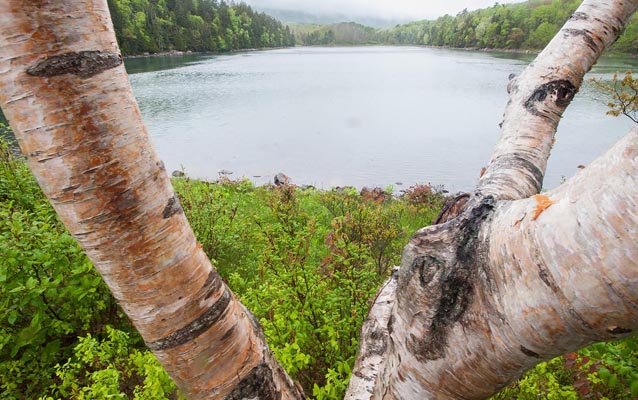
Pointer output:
x,y
308,187
281,179
178,174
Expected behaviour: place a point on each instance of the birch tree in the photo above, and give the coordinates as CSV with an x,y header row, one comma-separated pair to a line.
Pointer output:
x,y
515,278
66,95
518,277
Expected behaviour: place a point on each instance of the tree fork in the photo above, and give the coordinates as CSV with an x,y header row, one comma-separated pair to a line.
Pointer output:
x,y
482,298
466,314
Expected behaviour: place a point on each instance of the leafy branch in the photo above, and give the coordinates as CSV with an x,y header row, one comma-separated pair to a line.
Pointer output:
x,y
624,95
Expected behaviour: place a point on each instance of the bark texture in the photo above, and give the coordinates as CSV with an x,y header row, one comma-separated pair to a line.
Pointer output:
x,y
373,350
507,284
540,95
518,277
66,94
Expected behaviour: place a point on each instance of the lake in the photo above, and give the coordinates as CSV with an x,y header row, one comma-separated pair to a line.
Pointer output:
x,y
360,116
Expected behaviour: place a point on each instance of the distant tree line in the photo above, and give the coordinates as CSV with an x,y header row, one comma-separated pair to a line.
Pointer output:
x,y
345,33
528,25
199,25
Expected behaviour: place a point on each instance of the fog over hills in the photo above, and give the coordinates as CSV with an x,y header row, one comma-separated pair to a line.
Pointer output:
x,y
375,13
291,16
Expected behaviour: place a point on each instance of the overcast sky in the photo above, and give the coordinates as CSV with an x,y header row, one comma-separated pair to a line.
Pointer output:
x,y
390,9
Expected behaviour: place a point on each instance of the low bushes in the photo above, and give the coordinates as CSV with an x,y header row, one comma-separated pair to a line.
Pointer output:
x,y
306,262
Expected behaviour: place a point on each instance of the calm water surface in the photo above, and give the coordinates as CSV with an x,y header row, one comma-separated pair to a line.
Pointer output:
x,y
367,116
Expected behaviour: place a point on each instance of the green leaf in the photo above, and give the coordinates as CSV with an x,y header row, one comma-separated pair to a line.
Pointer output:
x,y
31,283
613,381
625,371
17,289
13,316
604,374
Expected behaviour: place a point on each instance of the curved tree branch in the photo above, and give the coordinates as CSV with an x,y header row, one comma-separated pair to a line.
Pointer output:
x,y
540,95
506,284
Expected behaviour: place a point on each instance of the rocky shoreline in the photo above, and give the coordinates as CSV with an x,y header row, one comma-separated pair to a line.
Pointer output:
x,y
373,193
179,53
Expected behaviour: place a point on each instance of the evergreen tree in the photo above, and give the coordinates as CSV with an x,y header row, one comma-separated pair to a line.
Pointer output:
x,y
198,25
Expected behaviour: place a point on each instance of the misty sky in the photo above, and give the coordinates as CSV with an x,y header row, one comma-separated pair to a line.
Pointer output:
x,y
390,9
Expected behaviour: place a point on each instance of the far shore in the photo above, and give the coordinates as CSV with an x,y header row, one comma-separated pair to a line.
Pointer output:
x,y
179,53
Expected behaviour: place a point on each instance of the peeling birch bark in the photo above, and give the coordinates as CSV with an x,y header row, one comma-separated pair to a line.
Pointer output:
x,y
372,352
485,297
540,95
514,280
66,94
477,300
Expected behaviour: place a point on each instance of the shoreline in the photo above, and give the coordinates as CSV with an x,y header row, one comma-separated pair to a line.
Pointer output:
x,y
270,181
179,53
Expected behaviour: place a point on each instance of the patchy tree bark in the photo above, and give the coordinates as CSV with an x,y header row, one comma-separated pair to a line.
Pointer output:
x,y
66,94
540,95
484,297
517,277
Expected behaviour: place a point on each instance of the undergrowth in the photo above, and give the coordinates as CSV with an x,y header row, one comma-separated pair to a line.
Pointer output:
x,y
306,262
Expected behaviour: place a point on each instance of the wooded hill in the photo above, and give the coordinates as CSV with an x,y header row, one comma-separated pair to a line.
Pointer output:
x,y
210,25
343,33
528,25
199,25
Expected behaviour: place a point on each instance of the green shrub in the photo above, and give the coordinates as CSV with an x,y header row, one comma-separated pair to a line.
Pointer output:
x,y
306,262
49,291
50,294
111,368
600,371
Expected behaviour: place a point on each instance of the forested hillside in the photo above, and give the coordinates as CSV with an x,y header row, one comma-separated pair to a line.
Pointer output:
x,y
344,33
209,25
528,25
199,25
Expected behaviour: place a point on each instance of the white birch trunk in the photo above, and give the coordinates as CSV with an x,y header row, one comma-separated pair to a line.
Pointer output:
x,y
511,281
486,296
66,94
540,95
526,284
